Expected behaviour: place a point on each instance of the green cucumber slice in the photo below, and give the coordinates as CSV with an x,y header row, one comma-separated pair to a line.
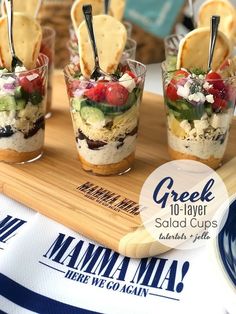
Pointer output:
x,y
92,115
185,110
109,109
7,103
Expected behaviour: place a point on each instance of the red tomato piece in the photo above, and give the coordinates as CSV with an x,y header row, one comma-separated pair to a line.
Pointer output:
x,y
30,84
97,93
215,79
116,94
219,104
171,91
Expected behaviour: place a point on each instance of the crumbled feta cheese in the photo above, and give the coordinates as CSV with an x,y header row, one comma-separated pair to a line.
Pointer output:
x,y
220,120
201,77
20,69
210,99
183,91
201,125
186,126
206,85
128,82
197,97
192,133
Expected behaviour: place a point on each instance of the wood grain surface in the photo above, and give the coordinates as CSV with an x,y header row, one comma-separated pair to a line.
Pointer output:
x,y
51,184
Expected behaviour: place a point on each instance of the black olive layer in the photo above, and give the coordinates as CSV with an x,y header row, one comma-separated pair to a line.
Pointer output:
x,y
95,145
7,131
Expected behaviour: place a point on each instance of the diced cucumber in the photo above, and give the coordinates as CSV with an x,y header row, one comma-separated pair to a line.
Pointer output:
x,y
20,104
105,108
185,110
92,115
76,104
7,103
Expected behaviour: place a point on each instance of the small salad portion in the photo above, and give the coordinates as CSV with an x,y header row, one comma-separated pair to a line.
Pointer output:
x,y
105,116
105,110
22,106
199,109
22,91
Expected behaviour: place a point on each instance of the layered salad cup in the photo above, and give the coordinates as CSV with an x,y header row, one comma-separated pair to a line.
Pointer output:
x,y
105,115
199,110
22,112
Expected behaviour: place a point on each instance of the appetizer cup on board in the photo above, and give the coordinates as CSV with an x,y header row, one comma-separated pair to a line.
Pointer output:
x,y
23,89
199,109
22,112
105,116
200,98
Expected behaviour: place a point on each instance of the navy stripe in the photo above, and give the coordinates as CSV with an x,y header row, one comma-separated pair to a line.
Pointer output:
x,y
32,301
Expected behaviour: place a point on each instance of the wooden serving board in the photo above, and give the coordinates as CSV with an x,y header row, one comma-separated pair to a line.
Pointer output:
x,y
106,208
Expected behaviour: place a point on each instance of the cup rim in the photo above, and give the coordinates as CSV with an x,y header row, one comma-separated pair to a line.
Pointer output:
x,y
42,57
164,70
179,36
142,74
132,42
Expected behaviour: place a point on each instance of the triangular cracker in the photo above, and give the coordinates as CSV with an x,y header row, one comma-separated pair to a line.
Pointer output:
x,y
224,9
116,10
27,36
77,15
194,50
111,37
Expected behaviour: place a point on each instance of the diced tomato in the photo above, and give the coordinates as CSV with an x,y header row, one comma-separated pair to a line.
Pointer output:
x,y
219,104
116,94
171,91
30,84
180,74
215,79
215,92
97,93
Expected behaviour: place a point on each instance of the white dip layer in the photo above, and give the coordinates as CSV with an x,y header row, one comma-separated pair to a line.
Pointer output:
x,y
18,143
201,148
108,154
